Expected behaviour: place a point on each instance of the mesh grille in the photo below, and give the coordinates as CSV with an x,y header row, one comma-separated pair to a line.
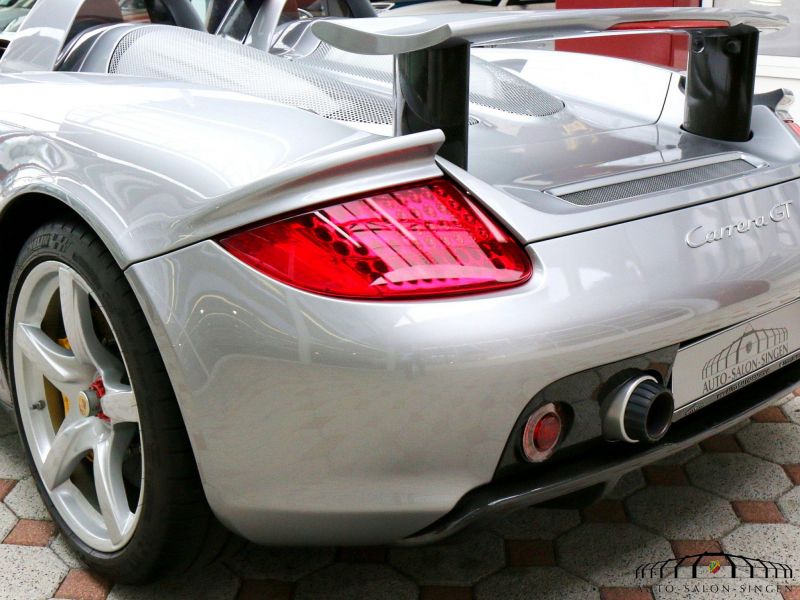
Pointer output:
x,y
309,83
180,54
657,183
494,87
490,86
326,58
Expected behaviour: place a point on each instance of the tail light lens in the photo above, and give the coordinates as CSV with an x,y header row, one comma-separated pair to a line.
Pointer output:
x,y
783,112
420,241
794,126
674,24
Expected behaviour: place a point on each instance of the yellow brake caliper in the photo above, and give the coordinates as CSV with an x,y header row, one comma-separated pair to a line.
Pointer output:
x,y
64,343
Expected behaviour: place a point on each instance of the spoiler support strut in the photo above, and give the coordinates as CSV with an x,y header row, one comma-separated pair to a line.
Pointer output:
x,y
720,82
432,89
432,92
432,60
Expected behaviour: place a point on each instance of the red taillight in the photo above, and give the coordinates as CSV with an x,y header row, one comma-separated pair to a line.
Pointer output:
x,y
419,241
676,24
794,126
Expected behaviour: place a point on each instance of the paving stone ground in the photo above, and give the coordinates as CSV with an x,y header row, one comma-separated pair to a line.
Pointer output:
x,y
738,493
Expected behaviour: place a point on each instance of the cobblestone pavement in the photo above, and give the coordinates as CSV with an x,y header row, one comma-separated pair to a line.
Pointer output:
x,y
738,492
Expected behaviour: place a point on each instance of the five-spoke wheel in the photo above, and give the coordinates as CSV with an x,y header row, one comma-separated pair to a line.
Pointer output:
x,y
101,427
77,406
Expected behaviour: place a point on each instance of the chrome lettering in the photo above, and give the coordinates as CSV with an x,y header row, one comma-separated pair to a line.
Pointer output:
x,y
781,212
700,236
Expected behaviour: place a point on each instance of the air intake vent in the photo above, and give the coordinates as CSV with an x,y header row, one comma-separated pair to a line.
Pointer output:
x,y
490,86
493,87
174,53
312,83
656,183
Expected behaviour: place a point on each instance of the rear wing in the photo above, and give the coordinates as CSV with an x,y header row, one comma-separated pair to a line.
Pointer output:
x,y
400,35
432,59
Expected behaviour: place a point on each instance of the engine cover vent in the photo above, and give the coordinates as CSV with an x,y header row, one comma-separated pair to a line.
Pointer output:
x,y
600,194
177,54
491,86
311,83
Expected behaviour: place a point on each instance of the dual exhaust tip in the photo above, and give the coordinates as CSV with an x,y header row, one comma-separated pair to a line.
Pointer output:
x,y
640,410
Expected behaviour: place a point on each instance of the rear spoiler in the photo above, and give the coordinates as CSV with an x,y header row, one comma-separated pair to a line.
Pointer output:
x,y
432,59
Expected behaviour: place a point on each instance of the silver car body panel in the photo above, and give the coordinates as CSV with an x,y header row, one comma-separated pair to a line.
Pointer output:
x,y
185,180
294,387
163,145
316,420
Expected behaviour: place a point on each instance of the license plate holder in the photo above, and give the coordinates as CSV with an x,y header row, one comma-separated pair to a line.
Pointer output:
x,y
714,367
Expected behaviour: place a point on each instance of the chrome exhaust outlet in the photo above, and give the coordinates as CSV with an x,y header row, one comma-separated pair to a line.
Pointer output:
x,y
640,410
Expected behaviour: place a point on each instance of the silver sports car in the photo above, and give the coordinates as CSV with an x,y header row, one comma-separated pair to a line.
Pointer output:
x,y
319,280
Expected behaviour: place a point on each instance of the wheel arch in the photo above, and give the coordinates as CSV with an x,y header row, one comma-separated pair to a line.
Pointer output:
x,y
19,218
186,541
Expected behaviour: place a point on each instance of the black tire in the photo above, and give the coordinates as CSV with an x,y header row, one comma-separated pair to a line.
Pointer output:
x,y
176,529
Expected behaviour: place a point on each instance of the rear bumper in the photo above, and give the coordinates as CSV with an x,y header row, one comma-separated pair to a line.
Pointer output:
x,y
319,421
606,467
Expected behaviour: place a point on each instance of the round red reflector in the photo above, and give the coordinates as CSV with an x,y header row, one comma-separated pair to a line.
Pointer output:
x,y
542,433
546,432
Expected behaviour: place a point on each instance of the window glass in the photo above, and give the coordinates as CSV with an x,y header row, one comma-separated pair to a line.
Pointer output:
x,y
783,43
239,20
200,6
134,11
305,9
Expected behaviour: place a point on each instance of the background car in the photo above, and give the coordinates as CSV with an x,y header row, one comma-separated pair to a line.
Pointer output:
x,y
12,14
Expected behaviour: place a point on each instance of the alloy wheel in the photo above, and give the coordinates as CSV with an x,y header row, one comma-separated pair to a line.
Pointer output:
x,y
77,406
